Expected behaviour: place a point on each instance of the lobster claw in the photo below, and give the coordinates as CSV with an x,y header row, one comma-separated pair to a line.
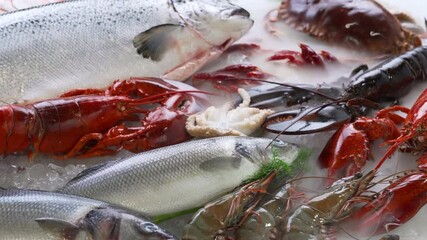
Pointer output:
x,y
307,120
273,96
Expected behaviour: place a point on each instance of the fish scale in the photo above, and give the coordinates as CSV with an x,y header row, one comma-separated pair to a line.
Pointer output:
x,y
51,49
177,177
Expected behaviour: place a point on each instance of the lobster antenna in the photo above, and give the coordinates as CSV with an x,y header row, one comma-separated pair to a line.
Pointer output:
x,y
293,121
299,117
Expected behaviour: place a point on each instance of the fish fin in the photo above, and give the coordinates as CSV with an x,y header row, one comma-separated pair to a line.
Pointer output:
x,y
243,150
65,230
154,42
220,163
88,171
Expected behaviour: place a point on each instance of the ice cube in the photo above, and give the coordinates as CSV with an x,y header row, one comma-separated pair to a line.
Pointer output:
x,y
36,172
55,168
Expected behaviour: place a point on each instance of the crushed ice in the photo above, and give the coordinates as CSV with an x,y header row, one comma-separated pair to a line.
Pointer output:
x,y
38,176
43,172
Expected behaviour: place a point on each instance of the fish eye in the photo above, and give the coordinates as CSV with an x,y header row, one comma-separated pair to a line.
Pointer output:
x,y
278,143
236,12
147,227
358,175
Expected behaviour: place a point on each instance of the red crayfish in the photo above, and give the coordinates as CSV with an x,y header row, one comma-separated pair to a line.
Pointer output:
x,y
362,24
94,122
348,149
307,56
392,206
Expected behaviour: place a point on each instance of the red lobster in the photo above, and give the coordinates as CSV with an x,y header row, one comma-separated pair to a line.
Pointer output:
x,y
92,122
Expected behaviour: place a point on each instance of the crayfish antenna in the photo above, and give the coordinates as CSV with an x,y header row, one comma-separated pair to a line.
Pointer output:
x,y
389,152
269,23
15,101
167,94
396,142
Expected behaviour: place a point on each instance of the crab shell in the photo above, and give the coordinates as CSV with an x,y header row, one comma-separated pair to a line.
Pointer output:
x,y
357,24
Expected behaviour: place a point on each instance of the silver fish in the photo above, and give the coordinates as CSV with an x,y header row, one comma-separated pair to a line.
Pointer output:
x,y
53,48
39,215
178,177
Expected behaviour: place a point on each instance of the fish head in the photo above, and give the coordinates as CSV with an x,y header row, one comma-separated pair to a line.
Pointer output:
x,y
218,22
137,227
111,223
261,150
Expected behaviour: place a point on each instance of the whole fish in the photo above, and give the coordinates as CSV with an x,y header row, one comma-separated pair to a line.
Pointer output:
x,y
40,215
178,177
53,48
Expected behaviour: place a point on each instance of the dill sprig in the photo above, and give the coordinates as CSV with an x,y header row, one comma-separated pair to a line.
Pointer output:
x,y
282,168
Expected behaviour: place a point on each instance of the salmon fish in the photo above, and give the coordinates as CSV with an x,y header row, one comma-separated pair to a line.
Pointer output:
x,y
178,177
54,48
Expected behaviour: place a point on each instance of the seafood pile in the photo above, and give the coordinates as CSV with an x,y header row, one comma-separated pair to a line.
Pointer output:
x,y
207,119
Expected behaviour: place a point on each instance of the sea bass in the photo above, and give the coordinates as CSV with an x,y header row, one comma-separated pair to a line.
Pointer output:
x,y
178,177
53,48
44,215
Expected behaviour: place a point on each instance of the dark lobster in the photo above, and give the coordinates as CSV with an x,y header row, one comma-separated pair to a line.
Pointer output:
x,y
93,122
388,81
